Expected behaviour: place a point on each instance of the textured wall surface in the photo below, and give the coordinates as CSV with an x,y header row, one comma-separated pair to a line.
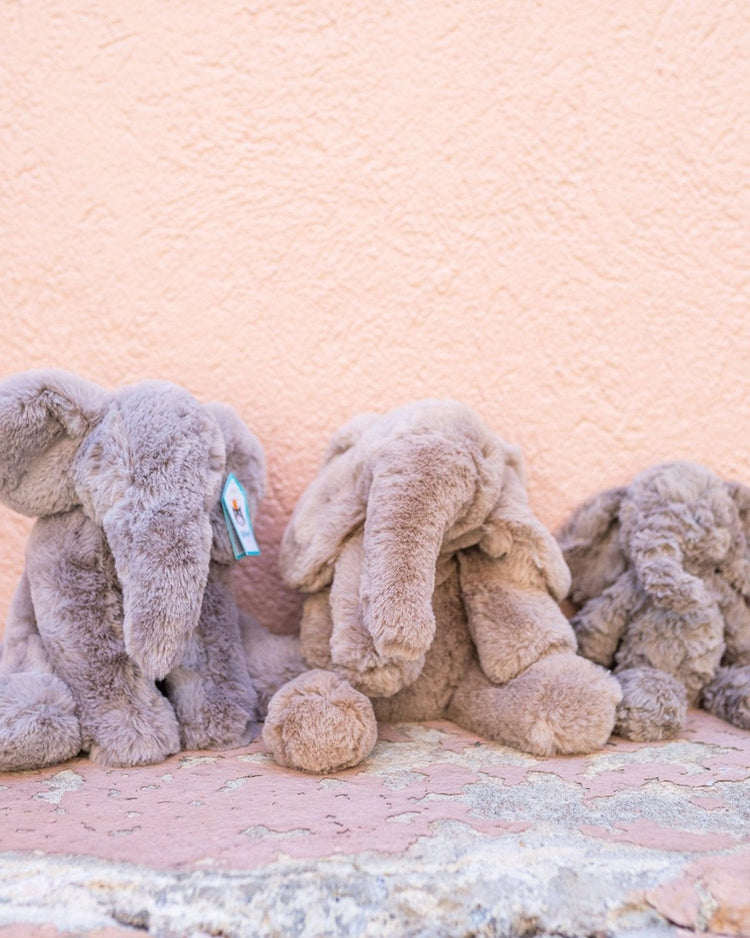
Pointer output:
x,y
309,209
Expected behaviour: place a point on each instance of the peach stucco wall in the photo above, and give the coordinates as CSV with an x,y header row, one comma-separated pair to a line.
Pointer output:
x,y
309,209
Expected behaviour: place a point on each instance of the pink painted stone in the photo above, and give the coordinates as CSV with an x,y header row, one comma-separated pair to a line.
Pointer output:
x,y
726,879
644,833
236,809
424,789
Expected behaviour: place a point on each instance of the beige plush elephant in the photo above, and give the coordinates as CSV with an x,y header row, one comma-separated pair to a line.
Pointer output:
x,y
433,592
661,577
126,581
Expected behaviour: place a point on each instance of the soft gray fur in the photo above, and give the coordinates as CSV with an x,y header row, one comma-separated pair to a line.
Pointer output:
x,y
127,572
661,576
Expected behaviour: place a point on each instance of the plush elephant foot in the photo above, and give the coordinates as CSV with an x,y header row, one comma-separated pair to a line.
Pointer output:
x,y
135,733
653,705
222,722
38,722
212,714
228,728
560,704
319,723
728,696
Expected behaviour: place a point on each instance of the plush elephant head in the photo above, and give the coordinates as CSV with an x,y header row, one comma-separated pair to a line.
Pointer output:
x,y
146,464
673,524
423,480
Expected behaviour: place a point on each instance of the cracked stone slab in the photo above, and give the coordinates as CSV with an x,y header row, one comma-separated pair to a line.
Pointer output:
x,y
437,833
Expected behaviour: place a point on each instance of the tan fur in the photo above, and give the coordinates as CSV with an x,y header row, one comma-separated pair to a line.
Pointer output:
x,y
319,723
661,573
433,591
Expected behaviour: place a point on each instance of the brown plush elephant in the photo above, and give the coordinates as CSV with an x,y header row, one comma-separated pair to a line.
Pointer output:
x,y
433,592
661,576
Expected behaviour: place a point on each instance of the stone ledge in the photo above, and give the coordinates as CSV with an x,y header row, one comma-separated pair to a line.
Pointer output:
x,y
436,834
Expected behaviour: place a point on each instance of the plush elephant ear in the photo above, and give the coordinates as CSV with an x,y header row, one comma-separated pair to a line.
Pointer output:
x,y
737,572
513,535
590,542
244,459
740,495
44,418
329,510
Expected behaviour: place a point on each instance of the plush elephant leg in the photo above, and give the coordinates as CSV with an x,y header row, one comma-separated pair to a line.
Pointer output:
x,y
728,696
319,723
653,705
315,630
124,719
210,690
560,704
38,720
512,624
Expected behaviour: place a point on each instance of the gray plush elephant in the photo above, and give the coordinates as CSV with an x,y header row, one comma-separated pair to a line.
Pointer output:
x,y
661,578
126,581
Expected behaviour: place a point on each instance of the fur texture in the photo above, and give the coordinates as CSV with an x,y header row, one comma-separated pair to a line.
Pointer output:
x,y
661,576
127,570
432,592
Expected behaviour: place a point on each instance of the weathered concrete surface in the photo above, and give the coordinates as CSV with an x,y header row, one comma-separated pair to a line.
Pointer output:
x,y
438,833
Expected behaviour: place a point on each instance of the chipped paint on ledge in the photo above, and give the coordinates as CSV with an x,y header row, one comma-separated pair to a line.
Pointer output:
x,y
651,833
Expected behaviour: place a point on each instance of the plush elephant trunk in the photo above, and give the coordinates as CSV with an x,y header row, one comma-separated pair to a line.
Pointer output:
x,y
674,517
161,559
659,567
419,489
165,459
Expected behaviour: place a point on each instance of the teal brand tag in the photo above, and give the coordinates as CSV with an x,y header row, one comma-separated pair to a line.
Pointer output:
x,y
237,517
